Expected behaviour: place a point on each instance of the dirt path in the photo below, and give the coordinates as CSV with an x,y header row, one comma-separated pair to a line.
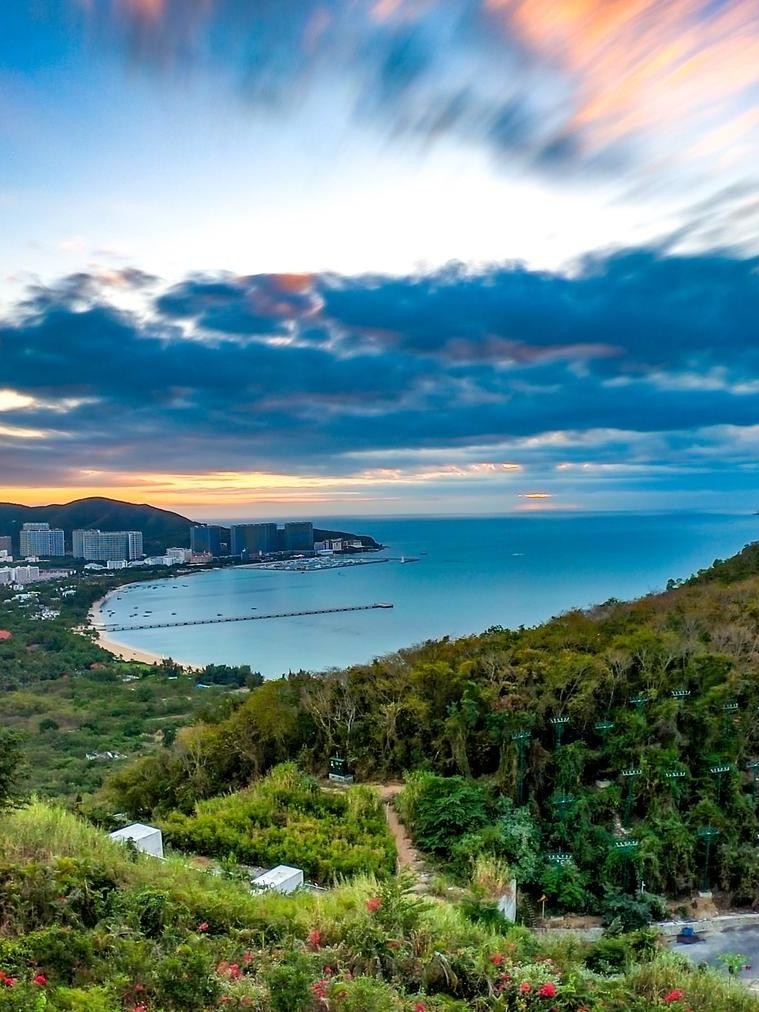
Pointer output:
x,y
408,856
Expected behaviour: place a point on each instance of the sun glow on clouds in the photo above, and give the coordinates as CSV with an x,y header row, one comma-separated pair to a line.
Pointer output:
x,y
641,64
254,488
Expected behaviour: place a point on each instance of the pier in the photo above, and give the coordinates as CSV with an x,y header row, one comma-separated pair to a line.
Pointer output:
x,y
240,618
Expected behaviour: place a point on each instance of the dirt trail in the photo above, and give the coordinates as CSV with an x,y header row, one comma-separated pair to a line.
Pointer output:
x,y
408,856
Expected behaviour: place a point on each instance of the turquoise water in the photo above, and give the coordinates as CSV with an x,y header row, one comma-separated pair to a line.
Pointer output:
x,y
472,573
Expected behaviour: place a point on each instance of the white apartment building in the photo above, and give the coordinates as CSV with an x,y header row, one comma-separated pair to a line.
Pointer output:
x,y
40,541
19,575
179,554
107,546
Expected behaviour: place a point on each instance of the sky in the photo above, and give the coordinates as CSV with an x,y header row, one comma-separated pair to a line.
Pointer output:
x,y
338,257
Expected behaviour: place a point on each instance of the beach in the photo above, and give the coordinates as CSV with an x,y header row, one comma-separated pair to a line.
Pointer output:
x,y
122,650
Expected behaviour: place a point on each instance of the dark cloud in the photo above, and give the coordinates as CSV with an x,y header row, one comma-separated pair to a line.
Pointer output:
x,y
303,373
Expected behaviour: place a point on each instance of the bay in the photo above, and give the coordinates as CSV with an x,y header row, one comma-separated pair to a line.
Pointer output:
x,y
471,573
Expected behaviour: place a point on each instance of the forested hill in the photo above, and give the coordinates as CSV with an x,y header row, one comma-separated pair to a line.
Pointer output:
x,y
738,567
160,528
666,686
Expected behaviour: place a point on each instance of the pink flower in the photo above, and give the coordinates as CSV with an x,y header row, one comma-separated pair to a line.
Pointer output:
x,y
203,927
247,957
674,995
525,987
373,904
40,980
420,1007
319,989
10,981
314,938
496,959
548,990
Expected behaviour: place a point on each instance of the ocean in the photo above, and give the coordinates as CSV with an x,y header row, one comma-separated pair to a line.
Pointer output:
x,y
471,573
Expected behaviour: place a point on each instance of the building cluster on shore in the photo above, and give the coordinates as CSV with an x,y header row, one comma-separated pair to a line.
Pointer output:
x,y
259,540
115,550
251,540
99,550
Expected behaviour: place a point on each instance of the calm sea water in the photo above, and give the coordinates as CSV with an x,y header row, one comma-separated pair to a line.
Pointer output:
x,y
472,573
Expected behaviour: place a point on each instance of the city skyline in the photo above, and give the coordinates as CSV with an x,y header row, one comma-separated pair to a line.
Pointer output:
x,y
407,256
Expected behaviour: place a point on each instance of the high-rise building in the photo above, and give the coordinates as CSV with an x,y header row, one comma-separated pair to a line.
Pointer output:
x,y
299,536
40,540
205,539
107,546
253,539
6,544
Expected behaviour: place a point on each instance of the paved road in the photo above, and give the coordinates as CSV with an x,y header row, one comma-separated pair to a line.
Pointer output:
x,y
742,940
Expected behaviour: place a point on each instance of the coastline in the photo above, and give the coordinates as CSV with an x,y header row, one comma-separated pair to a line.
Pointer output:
x,y
122,650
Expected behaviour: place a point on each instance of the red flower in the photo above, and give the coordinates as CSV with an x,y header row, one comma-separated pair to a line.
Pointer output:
x,y
319,989
247,957
373,904
496,959
548,990
420,1007
314,938
139,1008
525,987
40,980
674,995
203,927
10,981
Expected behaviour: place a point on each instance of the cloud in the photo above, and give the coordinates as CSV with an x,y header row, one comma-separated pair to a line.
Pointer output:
x,y
636,360
554,86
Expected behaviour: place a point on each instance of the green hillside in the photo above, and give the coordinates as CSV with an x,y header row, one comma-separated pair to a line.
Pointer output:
x,y
624,737
90,926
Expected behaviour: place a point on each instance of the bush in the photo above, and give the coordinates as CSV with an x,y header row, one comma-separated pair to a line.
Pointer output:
x,y
628,913
440,810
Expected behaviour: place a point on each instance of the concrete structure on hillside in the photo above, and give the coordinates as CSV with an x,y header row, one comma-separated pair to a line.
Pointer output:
x,y
40,540
282,879
147,839
6,544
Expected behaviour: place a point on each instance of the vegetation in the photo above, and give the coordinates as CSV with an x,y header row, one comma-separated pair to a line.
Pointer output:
x,y
89,925
622,737
77,711
286,818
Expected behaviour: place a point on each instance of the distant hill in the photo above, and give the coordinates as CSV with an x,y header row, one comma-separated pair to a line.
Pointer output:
x,y
160,528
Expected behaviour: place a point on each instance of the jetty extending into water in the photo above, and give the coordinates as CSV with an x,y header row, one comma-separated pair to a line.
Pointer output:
x,y
240,618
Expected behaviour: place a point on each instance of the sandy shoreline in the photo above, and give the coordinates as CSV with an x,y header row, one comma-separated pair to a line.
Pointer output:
x,y
122,650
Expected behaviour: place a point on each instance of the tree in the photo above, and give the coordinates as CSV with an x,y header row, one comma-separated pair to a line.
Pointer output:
x,y
10,762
